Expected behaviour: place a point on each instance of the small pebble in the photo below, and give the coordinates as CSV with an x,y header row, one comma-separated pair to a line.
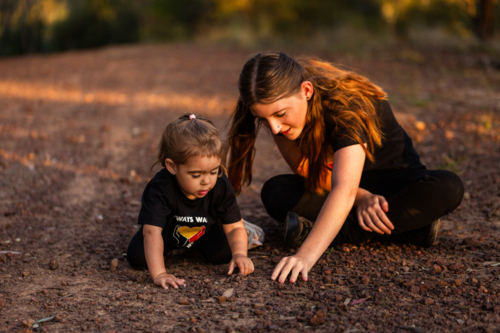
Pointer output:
x,y
429,301
53,265
183,301
114,263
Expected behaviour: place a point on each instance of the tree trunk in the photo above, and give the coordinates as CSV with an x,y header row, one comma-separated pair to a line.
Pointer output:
x,y
485,19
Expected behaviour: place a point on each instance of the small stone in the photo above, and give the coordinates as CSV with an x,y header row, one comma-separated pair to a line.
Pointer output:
x,y
53,265
45,292
58,318
258,312
405,268
338,298
457,282
25,274
230,329
200,330
235,316
428,301
318,318
28,322
114,263
420,125
257,305
437,268
222,299
64,283
183,301
141,279
414,289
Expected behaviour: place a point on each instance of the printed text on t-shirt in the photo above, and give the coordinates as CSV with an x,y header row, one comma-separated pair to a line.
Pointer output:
x,y
199,219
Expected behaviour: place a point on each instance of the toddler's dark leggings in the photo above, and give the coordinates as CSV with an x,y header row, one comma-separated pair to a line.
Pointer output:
x,y
416,198
213,246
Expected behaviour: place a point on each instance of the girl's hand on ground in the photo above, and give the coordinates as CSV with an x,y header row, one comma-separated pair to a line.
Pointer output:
x,y
293,265
164,279
371,214
243,263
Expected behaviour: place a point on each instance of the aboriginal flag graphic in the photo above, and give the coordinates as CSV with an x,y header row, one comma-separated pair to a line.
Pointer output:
x,y
186,236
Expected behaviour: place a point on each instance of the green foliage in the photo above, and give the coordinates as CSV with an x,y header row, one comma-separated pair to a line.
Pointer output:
x,y
452,164
96,23
46,25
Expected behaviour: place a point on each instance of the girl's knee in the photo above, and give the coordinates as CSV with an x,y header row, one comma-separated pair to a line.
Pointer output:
x,y
281,193
450,186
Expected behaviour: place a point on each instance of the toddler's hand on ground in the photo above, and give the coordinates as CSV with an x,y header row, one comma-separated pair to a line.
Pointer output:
x,y
164,279
243,263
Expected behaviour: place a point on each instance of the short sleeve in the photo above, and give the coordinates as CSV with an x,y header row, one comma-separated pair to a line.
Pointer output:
x,y
339,139
156,205
227,208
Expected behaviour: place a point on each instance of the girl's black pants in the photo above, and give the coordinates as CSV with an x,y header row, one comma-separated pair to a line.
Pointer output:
x,y
213,246
416,198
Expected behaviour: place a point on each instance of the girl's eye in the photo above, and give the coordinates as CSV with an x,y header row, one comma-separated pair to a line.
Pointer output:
x,y
279,115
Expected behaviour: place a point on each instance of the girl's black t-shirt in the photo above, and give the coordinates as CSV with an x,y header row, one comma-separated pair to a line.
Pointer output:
x,y
185,221
396,151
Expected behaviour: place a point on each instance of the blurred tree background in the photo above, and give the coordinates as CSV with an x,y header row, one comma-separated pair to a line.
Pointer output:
x,y
28,26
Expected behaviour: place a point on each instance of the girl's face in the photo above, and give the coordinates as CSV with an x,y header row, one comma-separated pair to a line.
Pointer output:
x,y
197,176
287,115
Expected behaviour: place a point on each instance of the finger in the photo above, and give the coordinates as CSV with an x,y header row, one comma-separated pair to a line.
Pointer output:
x,y
164,284
374,214
369,223
278,268
180,282
386,220
231,268
285,271
384,204
295,272
362,223
304,274
173,284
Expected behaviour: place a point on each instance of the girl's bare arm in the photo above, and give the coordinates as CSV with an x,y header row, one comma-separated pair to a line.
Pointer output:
x,y
346,174
238,242
153,249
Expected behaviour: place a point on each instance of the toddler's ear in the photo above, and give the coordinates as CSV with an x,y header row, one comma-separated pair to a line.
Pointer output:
x,y
170,165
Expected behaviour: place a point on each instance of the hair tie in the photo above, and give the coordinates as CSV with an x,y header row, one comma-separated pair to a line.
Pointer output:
x,y
192,116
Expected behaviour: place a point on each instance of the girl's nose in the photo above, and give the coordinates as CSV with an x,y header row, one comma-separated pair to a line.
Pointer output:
x,y
275,126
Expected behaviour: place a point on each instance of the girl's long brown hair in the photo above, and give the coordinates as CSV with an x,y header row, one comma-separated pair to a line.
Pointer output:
x,y
341,98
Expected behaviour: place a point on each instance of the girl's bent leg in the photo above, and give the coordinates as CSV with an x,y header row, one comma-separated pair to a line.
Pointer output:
x,y
135,251
285,193
213,246
413,207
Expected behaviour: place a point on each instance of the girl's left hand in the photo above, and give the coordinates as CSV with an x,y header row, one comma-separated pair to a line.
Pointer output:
x,y
295,265
371,214
243,263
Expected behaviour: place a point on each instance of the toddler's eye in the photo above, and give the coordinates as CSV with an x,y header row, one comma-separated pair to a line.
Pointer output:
x,y
214,172
196,176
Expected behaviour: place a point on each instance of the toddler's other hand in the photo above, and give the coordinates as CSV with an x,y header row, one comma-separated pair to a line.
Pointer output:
x,y
243,263
164,279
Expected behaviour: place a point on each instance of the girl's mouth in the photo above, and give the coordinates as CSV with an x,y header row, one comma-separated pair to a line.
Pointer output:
x,y
287,131
203,192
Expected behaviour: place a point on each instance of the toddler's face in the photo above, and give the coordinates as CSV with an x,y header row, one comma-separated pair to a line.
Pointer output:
x,y
197,176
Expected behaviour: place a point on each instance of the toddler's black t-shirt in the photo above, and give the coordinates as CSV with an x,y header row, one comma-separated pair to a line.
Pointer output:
x,y
185,221
397,150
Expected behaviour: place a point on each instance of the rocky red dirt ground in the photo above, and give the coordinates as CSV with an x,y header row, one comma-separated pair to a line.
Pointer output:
x,y
78,134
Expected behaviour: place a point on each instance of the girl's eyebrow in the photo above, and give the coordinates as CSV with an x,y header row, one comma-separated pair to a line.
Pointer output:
x,y
199,171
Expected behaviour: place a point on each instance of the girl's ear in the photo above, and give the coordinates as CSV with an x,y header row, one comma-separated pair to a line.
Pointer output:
x,y
171,166
307,89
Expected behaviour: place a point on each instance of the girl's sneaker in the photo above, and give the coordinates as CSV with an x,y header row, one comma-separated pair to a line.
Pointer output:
x,y
296,229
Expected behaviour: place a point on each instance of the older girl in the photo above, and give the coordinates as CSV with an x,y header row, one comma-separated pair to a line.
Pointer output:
x,y
189,203
357,176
